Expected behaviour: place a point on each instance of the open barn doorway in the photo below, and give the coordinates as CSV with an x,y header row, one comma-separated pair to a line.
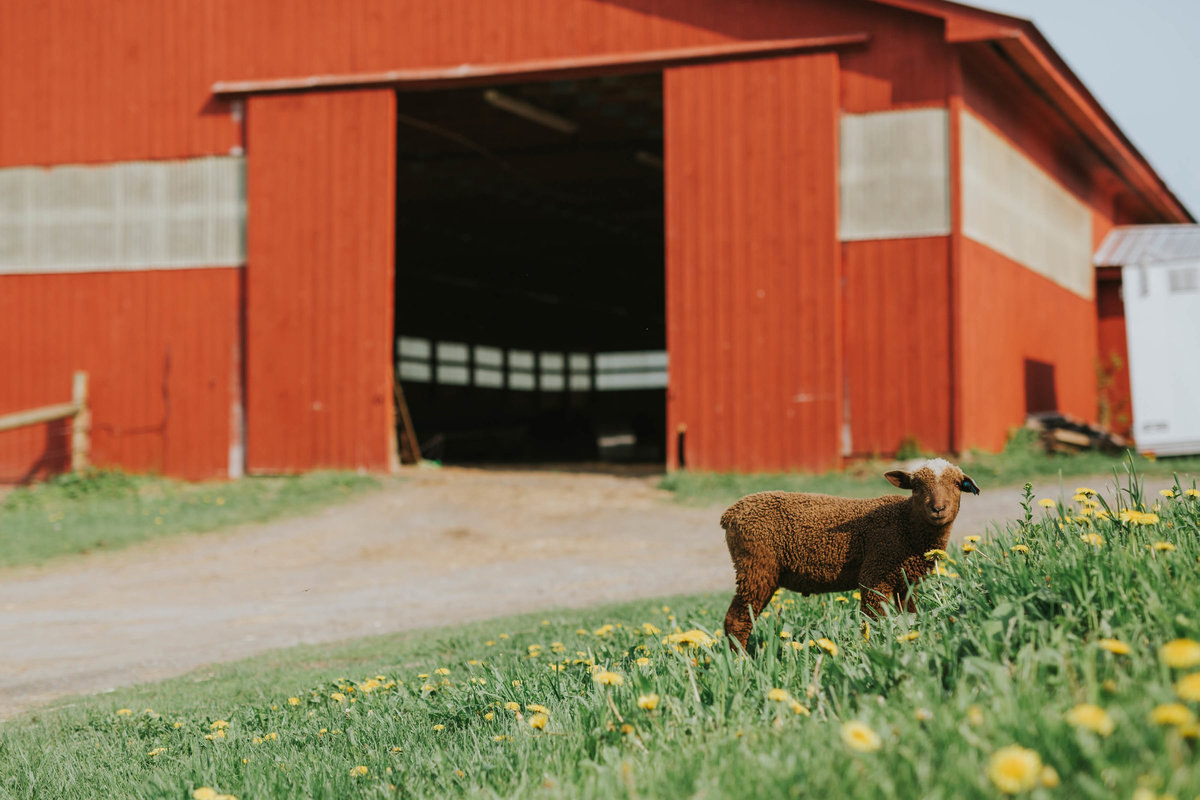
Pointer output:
x,y
530,299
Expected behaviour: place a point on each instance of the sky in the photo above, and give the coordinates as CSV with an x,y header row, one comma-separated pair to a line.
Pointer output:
x,y
1139,58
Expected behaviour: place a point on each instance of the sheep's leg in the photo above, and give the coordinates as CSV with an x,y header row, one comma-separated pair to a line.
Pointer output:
x,y
754,591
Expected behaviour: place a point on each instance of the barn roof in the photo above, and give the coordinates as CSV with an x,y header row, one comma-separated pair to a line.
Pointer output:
x,y
1027,49
1149,244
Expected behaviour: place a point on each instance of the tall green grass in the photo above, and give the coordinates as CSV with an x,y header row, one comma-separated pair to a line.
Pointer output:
x,y
1023,459
77,514
1068,608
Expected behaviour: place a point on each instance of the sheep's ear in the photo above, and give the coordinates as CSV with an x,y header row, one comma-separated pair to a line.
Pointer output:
x,y
899,479
968,485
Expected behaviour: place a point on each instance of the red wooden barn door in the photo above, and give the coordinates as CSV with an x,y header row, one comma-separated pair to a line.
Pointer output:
x,y
753,296
319,277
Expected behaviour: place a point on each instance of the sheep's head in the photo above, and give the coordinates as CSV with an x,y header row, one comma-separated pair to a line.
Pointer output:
x,y
936,486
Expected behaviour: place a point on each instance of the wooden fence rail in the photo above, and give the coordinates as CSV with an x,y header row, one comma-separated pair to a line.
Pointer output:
x,y
76,411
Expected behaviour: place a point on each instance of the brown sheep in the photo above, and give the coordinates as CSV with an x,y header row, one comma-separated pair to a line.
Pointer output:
x,y
815,543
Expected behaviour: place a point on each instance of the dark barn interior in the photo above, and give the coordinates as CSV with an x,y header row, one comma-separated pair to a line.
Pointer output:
x,y
529,270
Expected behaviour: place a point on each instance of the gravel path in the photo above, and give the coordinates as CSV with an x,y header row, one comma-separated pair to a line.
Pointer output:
x,y
444,546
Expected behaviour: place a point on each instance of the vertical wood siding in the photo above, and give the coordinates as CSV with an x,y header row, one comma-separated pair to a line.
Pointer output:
x,y
159,348
1011,314
897,344
319,280
90,80
1116,405
753,311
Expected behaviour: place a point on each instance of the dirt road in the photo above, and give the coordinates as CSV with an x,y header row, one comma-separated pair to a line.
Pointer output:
x,y
444,546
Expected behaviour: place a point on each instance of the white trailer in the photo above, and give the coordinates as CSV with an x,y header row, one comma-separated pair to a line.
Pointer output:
x,y
1161,289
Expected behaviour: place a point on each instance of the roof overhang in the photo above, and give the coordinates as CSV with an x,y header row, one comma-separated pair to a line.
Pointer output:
x,y
1023,44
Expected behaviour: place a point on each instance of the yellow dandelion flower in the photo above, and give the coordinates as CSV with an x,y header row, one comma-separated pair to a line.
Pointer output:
x,y
1188,687
1049,777
1115,646
1172,714
1191,493
856,595
603,630
359,772
1080,497
293,701
693,638
648,702
858,736
124,712
490,715
1163,546
441,671
1137,517
1093,539
490,643
158,751
1180,653
1166,492
828,646
934,554
972,539
785,634
439,727
539,721
511,706
1014,769
650,630
796,645
1189,730
969,548
1092,717
1046,502
800,708
218,725
908,637
1020,548
537,709
923,714
975,715
779,695
842,599
1085,491
337,697
643,662
607,678
204,793
503,636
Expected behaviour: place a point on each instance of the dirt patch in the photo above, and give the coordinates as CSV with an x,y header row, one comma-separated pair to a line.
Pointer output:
x,y
445,546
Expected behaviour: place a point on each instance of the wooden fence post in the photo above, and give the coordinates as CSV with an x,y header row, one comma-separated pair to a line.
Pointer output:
x,y
81,423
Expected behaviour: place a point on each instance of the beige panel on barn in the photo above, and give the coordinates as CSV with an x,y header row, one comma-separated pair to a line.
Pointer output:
x,y
1013,207
894,175
131,215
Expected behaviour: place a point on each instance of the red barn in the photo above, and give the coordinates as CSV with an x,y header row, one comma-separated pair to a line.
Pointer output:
x,y
767,235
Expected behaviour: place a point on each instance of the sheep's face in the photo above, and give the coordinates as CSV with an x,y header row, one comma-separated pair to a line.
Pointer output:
x,y
936,486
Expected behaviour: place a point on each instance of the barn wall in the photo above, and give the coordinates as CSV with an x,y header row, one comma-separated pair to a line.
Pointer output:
x,y
1013,315
89,80
320,270
897,344
162,396
753,308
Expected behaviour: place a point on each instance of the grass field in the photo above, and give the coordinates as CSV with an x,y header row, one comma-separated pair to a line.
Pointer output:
x,y
1023,459
74,514
1059,660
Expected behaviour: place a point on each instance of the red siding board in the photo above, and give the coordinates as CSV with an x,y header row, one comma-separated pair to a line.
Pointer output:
x,y
753,313
321,186
161,395
1116,408
898,344
1011,314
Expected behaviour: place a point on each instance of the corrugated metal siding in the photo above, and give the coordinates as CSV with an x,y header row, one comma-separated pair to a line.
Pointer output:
x,y
897,344
161,395
895,175
753,310
1011,314
1148,244
321,189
